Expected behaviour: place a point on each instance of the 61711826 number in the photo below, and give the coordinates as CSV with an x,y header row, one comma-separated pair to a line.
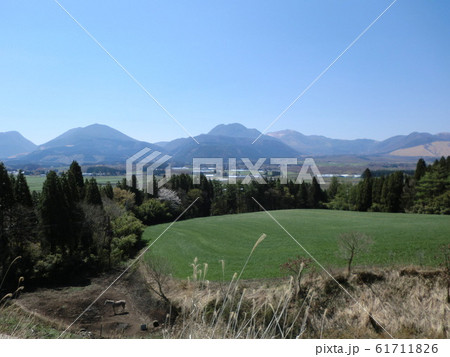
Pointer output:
x,y
406,348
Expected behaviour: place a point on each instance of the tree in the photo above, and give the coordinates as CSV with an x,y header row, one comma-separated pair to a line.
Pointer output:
x,y
54,214
107,190
333,188
302,195
421,169
22,192
316,195
352,244
75,171
170,197
6,205
365,192
392,192
93,196
153,211
296,267
127,232
159,272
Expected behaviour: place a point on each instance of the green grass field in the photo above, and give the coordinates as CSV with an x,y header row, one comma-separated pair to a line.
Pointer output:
x,y
399,239
35,182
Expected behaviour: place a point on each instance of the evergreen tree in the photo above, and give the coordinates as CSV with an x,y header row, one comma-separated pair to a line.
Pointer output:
x,y
364,200
6,205
108,190
54,214
333,189
393,192
421,169
377,187
316,195
75,171
302,195
93,196
206,192
22,191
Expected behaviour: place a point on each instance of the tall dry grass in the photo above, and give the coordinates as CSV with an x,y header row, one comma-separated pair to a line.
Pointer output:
x,y
407,303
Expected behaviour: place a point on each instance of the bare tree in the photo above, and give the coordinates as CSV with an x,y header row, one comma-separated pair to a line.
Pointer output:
x,y
159,273
296,267
352,244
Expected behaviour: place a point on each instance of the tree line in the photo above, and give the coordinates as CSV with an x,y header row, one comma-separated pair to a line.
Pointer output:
x,y
71,229
427,190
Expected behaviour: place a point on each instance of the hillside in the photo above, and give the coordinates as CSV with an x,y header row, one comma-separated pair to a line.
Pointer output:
x,y
13,144
321,145
434,149
398,240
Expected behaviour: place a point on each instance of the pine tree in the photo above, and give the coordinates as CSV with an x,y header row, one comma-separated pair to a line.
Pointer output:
x,y
6,189
333,189
6,205
75,170
364,200
377,187
394,191
316,195
22,191
93,196
302,195
54,214
421,169
108,190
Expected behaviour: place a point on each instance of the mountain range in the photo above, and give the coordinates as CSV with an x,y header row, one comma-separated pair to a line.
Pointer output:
x,y
101,144
321,145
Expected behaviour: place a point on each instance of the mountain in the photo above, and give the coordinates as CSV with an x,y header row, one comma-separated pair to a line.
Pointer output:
x,y
93,144
228,141
234,130
13,144
321,145
101,144
434,149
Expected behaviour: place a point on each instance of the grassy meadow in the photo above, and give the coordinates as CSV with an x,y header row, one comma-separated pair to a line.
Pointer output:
x,y
399,239
35,182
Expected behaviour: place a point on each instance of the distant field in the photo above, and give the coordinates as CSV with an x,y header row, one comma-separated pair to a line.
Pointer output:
x,y
399,239
35,182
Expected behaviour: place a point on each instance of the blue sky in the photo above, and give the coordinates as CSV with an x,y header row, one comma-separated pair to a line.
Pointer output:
x,y
212,62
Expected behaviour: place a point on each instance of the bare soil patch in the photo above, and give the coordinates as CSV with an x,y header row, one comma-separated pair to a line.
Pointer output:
x,y
61,306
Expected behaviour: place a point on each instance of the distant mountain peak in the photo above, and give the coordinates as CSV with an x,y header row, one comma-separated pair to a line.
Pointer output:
x,y
234,130
93,144
81,134
13,144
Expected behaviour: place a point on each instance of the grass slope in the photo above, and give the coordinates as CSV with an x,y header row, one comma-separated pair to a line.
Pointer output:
x,y
399,239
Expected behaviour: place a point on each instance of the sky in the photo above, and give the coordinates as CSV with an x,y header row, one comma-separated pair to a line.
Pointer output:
x,y
213,62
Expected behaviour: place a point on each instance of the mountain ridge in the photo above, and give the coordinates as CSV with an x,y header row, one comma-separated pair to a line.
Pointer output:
x,y
98,143
93,144
12,144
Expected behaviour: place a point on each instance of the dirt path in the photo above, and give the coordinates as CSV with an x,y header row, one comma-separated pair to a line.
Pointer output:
x,y
63,305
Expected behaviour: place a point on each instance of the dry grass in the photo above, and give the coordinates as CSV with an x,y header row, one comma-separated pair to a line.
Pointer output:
x,y
403,303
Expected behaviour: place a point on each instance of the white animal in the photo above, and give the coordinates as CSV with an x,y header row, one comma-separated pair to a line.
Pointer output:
x,y
115,304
